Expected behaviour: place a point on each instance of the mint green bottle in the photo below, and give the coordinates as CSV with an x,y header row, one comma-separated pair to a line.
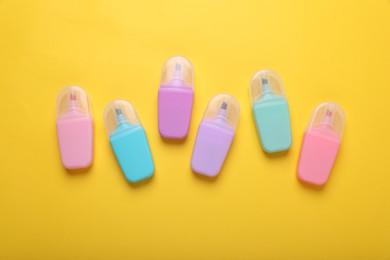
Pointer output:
x,y
270,111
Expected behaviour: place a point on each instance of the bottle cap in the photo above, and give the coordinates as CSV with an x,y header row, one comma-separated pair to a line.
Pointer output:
x,y
177,69
265,82
329,116
120,113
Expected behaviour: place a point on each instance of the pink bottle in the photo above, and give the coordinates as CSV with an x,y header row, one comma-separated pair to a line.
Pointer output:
x,y
321,143
74,128
215,135
175,98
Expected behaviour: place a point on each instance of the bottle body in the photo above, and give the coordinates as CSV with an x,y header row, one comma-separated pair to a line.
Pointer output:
x,y
211,147
174,111
75,138
132,151
272,119
319,151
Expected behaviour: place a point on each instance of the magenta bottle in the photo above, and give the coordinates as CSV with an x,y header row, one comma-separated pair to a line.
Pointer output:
x,y
215,135
175,98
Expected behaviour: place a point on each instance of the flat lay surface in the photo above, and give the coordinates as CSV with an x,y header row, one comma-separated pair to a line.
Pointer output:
x,y
256,208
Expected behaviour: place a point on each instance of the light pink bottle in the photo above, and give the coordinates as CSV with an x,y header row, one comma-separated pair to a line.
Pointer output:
x,y
175,98
74,128
215,135
321,143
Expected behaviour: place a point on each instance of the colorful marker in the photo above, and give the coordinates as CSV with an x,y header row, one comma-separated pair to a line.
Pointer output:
x,y
321,143
270,111
215,135
128,140
74,128
175,98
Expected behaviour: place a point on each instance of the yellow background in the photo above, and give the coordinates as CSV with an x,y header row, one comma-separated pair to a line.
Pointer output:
x,y
256,208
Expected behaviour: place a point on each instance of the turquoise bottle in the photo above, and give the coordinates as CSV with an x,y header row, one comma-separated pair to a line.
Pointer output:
x,y
270,111
128,140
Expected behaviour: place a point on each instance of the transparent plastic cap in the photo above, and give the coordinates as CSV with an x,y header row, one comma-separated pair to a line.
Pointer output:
x,y
223,107
178,68
265,81
119,112
328,114
73,99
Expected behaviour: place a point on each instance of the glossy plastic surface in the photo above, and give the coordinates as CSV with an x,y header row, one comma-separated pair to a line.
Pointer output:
x,y
321,143
270,111
128,140
74,128
215,135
